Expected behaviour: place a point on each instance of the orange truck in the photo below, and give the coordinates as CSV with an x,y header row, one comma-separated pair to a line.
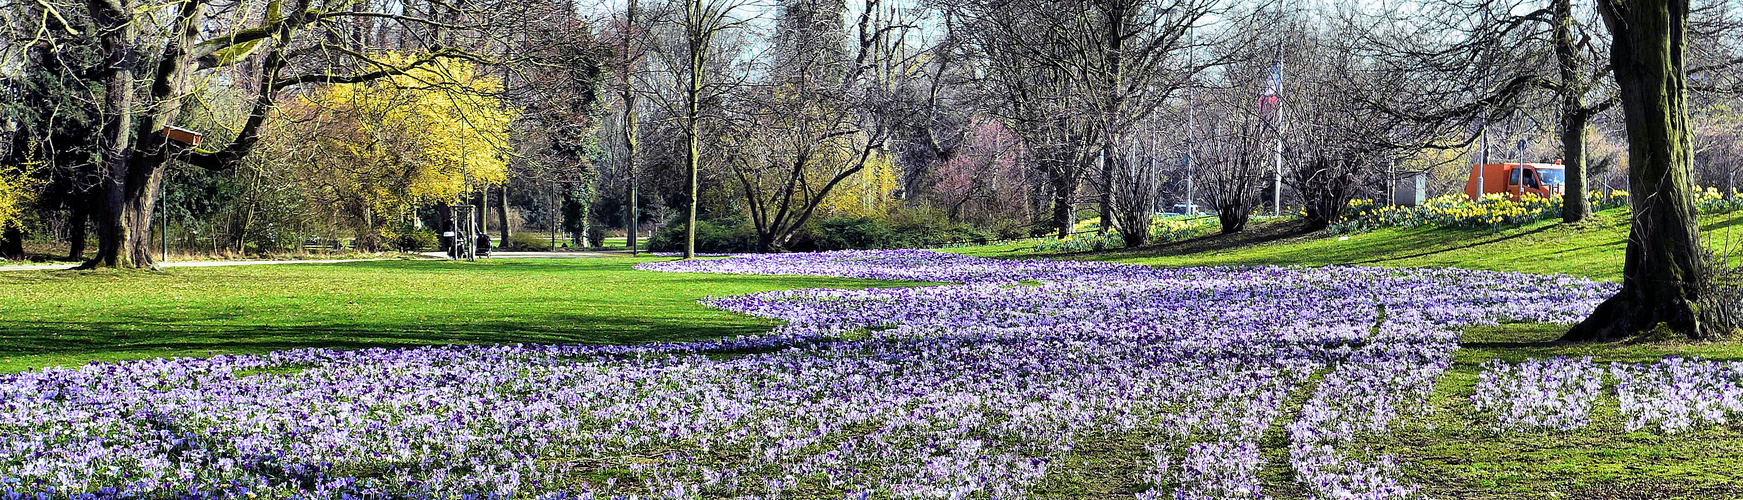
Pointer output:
x,y
1517,179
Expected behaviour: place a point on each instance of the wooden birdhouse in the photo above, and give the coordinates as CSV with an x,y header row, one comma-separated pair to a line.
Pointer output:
x,y
181,135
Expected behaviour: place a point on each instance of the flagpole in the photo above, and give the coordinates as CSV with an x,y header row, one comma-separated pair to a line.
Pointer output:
x,y
1191,36
1277,178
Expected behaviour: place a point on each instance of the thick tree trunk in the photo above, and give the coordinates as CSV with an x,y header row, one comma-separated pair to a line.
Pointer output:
x,y
134,154
115,239
77,232
1575,207
1666,269
140,198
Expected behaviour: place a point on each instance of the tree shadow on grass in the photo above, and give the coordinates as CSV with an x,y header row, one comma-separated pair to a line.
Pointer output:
x,y
128,339
1446,249
1516,342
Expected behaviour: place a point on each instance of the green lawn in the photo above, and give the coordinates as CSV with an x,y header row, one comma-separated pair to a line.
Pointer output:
x,y
1591,249
70,318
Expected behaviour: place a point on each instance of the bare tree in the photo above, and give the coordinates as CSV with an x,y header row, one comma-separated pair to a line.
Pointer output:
x,y
1135,189
693,61
1032,93
631,50
1235,160
821,120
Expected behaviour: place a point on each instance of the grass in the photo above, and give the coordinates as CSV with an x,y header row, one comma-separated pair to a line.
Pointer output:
x,y
1450,457
69,318
1591,249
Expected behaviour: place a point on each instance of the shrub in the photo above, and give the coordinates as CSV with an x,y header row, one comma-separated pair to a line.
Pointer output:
x,y
853,233
409,239
595,236
906,228
732,235
528,241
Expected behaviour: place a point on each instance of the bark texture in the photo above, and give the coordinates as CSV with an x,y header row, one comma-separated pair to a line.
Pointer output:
x,y
1666,272
502,213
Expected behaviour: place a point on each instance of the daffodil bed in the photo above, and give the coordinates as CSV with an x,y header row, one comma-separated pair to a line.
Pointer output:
x,y
1496,211
981,389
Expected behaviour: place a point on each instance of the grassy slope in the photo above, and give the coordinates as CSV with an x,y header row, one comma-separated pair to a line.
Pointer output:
x,y
69,318
1592,249
1441,449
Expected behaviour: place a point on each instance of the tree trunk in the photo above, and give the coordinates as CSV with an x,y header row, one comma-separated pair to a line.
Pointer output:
x,y
480,210
632,225
1230,221
1666,268
1574,114
12,243
1106,210
1574,207
692,112
502,213
113,145
133,156
76,230
1064,209
627,93
690,152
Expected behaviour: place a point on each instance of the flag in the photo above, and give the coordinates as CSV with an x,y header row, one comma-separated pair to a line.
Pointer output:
x,y
1273,88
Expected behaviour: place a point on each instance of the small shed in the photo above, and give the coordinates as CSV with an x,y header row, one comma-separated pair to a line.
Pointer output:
x,y
1410,189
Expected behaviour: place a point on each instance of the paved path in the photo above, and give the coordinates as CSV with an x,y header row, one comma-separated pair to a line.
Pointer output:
x,y
542,255
439,255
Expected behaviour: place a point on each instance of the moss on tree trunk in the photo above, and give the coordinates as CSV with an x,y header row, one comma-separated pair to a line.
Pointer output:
x,y
1666,268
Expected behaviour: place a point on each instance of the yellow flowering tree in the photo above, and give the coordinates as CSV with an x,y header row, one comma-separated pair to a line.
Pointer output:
x,y
375,150
864,194
17,189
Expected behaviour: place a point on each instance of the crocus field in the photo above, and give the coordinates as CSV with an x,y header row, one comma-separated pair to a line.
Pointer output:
x,y
980,388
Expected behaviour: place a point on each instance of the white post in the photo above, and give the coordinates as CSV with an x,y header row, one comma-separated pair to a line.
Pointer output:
x,y
1483,160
